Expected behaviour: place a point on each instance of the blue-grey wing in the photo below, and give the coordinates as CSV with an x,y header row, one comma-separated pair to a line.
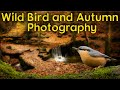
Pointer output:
x,y
97,54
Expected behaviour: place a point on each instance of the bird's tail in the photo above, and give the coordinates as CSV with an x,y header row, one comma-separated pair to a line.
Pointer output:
x,y
111,59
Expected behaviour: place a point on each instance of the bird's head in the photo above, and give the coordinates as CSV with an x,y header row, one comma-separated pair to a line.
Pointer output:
x,y
83,48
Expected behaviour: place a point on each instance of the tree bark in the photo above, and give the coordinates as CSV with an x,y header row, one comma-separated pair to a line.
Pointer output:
x,y
108,39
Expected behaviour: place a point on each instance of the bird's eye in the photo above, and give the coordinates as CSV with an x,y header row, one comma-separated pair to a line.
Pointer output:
x,y
85,50
88,50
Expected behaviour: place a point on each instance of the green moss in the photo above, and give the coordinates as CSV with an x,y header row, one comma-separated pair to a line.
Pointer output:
x,y
7,72
100,73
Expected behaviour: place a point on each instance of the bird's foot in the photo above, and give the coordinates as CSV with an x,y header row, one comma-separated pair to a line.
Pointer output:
x,y
98,67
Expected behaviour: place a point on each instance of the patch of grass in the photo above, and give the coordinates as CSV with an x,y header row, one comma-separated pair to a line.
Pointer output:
x,y
7,72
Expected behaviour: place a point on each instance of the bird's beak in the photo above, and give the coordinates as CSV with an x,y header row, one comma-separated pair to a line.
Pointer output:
x,y
75,48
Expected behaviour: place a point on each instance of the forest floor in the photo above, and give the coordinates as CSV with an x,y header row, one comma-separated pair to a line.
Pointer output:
x,y
29,54
111,72
50,68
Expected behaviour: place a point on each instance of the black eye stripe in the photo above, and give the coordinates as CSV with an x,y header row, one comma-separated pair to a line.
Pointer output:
x,y
84,49
80,49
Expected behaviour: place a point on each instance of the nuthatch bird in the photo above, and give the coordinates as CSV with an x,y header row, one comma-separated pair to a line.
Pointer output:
x,y
92,57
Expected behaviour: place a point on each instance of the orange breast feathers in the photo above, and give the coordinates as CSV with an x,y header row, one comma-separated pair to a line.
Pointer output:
x,y
91,60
